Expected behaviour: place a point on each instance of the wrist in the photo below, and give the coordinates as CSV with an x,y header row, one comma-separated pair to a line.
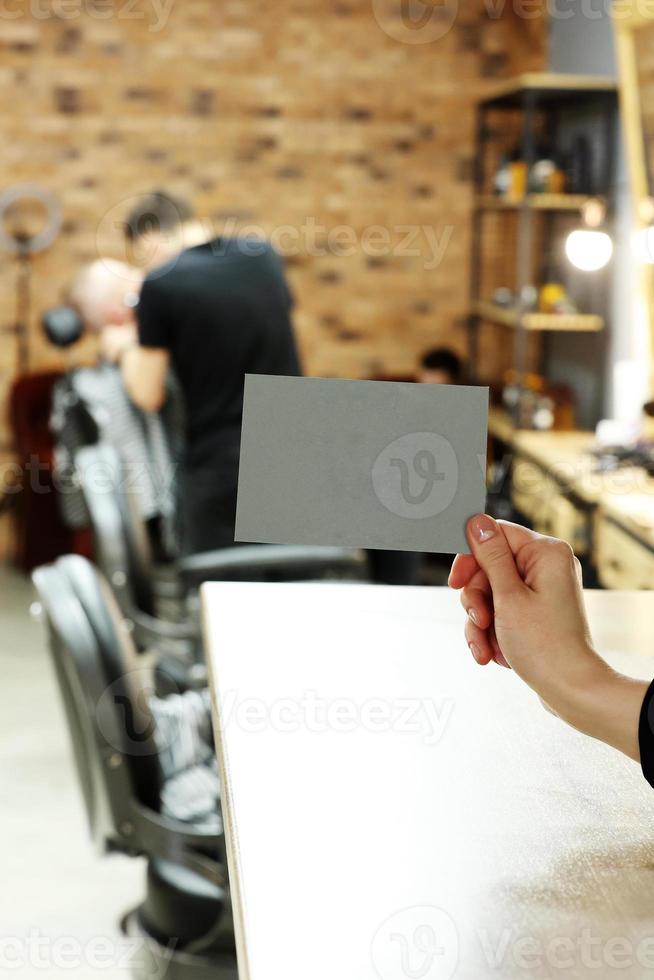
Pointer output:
x,y
614,713
600,702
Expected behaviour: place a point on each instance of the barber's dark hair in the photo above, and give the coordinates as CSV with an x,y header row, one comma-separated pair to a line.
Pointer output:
x,y
158,211
443,359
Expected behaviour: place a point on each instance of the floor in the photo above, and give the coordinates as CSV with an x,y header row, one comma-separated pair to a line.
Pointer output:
x,y
59,902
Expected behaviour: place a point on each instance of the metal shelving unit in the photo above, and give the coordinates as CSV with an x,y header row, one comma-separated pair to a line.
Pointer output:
x,y
507,317
538,98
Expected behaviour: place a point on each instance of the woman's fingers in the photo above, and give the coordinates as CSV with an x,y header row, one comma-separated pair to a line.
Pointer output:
x,y
478,605
483,645
465,566
498,656
477,601
463,569
478,641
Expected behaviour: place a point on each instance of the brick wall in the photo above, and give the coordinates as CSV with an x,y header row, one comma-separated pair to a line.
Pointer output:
x,y
322,122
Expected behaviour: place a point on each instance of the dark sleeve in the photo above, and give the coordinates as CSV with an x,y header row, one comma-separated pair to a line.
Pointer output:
x,y
153,313
280,272
288,292
646,735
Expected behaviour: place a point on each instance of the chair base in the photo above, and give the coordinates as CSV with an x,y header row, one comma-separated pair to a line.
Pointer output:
x,y
152,960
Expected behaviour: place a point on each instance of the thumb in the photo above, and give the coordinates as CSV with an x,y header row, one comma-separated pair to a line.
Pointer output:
x,y
493,554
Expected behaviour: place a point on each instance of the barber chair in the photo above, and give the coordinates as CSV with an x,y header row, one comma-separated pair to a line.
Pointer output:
x,y
184,923
75,419
122,547
40,533
62,326
123,553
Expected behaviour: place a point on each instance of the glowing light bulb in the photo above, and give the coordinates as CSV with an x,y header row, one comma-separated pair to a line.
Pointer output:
x,y
643,245
588,249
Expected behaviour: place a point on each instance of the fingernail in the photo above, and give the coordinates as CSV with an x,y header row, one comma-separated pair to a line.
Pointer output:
x,y
472,616
482,527
474,651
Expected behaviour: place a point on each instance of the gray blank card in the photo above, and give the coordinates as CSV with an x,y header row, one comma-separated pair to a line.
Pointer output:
x,y
363,464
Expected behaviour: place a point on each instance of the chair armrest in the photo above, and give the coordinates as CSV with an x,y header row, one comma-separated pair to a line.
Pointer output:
x,y
257,562
180,640
155,631
158,836
172,675
168,590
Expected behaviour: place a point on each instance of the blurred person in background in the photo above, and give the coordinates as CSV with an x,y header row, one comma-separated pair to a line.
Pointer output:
x,y
215,309
440,366
105,294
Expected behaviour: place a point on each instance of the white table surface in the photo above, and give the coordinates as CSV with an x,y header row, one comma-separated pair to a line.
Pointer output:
x,y
394,811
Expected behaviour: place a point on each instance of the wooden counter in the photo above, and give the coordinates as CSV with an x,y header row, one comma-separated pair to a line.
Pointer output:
x,y
394,811
605,516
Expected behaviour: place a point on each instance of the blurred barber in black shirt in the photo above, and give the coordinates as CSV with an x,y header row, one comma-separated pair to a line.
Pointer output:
x,y
215,309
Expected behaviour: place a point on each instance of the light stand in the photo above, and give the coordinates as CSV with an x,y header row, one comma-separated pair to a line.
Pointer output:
x,y
25,244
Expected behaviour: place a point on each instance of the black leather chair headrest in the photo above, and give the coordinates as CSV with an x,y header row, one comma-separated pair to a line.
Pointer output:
x,y
63,326
128,681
